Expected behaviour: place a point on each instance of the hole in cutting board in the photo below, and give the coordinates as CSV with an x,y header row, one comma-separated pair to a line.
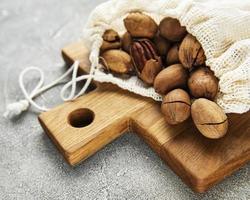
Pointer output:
x,y
81,117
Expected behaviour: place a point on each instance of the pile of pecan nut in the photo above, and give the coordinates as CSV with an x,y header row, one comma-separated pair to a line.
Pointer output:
x,y
171,60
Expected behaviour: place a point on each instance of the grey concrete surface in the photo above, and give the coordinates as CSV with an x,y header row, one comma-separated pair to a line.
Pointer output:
x,y
32,32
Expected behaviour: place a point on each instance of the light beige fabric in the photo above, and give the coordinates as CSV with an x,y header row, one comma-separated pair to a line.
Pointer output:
x,y
222,27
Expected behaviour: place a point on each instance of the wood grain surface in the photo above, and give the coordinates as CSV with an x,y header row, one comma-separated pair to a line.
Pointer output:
x,y
200,162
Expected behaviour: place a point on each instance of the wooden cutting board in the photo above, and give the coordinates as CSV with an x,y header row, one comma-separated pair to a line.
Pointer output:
x,y
81,127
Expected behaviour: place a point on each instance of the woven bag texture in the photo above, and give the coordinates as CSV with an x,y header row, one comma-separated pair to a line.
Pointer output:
x,y
222,28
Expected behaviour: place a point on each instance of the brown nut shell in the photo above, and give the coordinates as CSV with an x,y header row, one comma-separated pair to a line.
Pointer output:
x,y
151,69
146,61
176,106
110,45
140,25
117,61
172,77
203,83
162,45
191,53
171,29
209,118
126,42
173,55
111,40
110,35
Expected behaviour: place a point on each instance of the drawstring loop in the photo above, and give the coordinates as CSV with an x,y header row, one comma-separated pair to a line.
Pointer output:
x,y
17,108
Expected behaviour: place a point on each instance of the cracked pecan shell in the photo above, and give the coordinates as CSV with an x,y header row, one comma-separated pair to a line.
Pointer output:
x,y
176,106
146,60
191,53
209,118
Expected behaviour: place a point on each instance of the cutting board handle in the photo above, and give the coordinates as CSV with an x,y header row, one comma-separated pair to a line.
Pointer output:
x,y
87,124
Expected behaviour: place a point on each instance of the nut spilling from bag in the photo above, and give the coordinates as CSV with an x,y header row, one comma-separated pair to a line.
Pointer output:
x,y
146,61
171,60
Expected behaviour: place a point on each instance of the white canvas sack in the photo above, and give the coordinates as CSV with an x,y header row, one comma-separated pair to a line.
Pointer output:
x,y
222,28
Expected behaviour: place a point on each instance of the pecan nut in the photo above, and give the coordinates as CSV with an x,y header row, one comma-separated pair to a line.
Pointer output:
x,y
111,40
116,61
146,60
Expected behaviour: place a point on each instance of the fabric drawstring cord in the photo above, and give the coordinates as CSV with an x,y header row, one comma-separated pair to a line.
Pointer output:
x,y
18,107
